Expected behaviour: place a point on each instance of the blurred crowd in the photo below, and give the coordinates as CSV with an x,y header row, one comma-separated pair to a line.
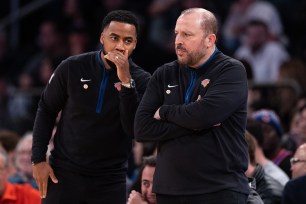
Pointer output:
x,y
267,36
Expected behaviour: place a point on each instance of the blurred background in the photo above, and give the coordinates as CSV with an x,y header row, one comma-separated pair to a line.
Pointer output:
x,y
36,35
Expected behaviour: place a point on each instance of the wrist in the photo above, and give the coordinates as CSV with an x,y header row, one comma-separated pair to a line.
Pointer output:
x,y
129,84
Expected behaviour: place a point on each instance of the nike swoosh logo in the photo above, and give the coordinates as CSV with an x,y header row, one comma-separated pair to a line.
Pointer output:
x,y
172,86
85,80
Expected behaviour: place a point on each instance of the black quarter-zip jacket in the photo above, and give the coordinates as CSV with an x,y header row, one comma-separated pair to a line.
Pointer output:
x,y
201,145
96,125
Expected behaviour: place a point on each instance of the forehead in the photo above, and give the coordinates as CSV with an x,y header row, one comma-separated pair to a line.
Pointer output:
x,y
191,21
121,29
148,173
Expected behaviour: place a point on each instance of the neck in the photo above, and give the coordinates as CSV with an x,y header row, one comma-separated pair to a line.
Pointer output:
x,y
260,157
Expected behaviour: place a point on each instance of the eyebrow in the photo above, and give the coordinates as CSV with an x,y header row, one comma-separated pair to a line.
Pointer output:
x,y
114,34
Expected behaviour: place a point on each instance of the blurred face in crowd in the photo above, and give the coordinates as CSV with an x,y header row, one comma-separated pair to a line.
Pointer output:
x,y
23,155
192,42
3,172
271,139
298,162
256,36
147,183
117,36
302,126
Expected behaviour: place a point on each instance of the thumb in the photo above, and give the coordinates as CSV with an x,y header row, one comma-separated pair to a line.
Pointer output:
x,y
53,177
126,53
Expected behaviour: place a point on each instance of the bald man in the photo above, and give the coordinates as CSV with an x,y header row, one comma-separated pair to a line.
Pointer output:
x,y
195,108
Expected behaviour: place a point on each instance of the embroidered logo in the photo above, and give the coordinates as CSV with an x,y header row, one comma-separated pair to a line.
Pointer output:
x,y
205,82
85,80
172,86
51,78
118,86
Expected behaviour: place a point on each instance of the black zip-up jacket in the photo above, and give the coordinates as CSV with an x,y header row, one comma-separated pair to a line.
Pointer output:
x,y
201,142
96,126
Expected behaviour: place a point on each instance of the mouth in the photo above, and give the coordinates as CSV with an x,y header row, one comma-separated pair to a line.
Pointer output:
x,y
180,51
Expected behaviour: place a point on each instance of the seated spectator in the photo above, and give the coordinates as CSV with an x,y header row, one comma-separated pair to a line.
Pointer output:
x,y
23,162
254,197
272,136
9,141
294,192
265,56
267,187
147,172
269,167
15,193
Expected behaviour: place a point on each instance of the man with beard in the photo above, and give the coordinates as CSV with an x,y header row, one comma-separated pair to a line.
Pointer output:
x,y
195,108
146,177
97,94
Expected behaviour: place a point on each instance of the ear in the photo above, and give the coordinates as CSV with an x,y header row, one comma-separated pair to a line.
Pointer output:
x,y
211,39
102,38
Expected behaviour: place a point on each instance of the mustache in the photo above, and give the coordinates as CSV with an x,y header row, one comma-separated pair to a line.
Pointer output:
x,y
180,47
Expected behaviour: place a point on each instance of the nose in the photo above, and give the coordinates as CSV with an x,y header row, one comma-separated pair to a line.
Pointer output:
x,y
120,46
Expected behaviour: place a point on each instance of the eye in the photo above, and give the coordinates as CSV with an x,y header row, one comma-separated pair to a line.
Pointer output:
x,y
128,41
114,38
145,183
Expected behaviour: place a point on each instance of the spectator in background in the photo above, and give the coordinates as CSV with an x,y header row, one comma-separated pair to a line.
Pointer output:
x,y
9,141
272,136
271,169
301,136
294,192
267,187
24,172
264,55
14,193
145,196
243,11
51,44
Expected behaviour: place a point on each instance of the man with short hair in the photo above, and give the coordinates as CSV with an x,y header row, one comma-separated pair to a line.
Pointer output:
x,y
14,193
294,192
195,108
147,172
97,93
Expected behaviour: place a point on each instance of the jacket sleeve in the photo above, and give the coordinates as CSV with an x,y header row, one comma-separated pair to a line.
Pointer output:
x,y
146,127
226,94
51,102
130,98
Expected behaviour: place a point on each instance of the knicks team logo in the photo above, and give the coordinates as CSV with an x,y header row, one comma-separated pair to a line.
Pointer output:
x,y
205,82
118,86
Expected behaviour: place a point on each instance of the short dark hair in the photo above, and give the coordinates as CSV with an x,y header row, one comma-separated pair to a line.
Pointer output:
x,y
149,161
255,128
251,146
122,16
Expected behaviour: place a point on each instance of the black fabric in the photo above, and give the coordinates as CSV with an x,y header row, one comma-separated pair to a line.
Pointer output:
x,y
86,141
78,188
201,145
228,197
294,192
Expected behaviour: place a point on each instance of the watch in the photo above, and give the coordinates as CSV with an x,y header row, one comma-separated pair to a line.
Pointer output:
x,y
130,84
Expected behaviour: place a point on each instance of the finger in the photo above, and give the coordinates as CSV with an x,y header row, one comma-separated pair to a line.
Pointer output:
x,y
126,53
40,188
53,177
199,97
44,187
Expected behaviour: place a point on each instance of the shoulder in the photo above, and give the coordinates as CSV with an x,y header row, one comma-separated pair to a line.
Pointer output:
x,y
170,67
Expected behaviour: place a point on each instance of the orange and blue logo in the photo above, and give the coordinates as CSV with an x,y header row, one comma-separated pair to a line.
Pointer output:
x,y
205,82
118,86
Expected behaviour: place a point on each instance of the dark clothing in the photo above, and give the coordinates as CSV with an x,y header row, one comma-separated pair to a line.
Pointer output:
x,y
264,187
201,145
254,197
94,134
282,159
78,188
294,192
228,197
